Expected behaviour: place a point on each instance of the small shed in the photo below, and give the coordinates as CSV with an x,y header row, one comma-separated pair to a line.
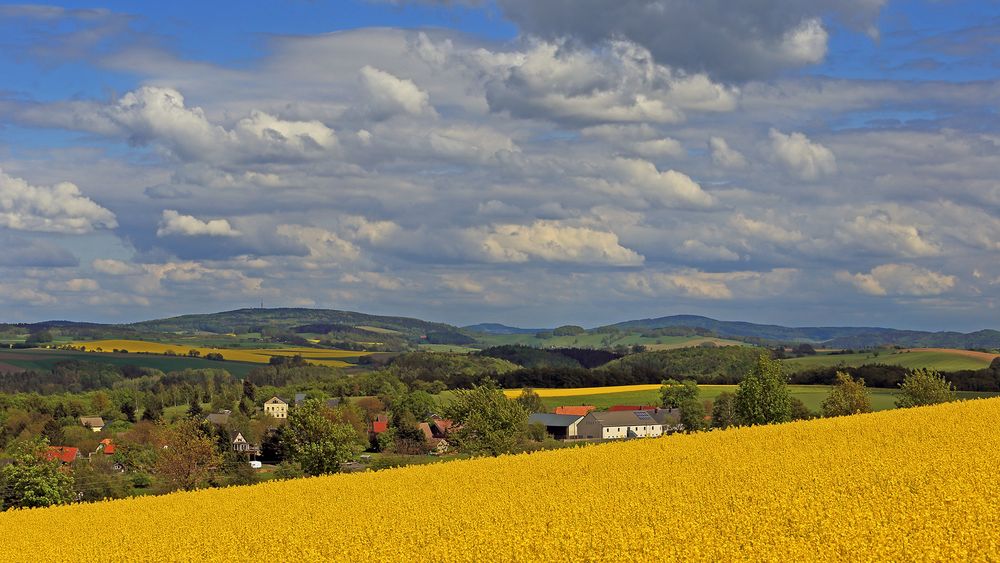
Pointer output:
x,y
95,423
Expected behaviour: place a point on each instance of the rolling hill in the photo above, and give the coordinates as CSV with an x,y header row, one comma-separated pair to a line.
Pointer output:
x,y
496,328
655,333
245,320
834,337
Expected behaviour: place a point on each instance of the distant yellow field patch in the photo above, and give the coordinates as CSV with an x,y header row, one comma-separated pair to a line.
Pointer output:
x,y
379,330
251,355
585,390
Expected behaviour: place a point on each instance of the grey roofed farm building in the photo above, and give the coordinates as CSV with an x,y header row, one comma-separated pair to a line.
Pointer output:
x,y
560,426
622,424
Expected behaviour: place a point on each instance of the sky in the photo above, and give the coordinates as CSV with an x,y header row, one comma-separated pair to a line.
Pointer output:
x,y
535,163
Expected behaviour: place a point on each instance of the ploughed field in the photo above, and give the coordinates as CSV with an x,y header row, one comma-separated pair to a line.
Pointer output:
x,y
908,484
603,397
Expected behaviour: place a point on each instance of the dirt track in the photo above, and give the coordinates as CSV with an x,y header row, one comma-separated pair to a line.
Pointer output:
x,y
967,353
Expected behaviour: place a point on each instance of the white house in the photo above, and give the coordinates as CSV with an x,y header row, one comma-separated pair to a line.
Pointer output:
x,y
276,407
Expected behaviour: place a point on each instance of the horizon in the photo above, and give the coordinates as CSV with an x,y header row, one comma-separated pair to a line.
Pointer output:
x,y
504,161
463,325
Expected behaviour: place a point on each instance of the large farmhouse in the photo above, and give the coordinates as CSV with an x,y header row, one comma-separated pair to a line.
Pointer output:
x,y
622,424
276,407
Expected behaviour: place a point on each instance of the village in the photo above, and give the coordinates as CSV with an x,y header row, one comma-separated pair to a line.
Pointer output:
x,y
566,424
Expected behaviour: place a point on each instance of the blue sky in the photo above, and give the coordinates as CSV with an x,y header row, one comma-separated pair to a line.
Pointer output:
x,y
534,163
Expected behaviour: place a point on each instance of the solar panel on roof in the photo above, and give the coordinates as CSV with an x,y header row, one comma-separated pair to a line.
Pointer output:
x,y
643,415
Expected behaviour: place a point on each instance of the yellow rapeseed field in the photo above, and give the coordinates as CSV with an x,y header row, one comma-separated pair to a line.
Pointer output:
x,y
585,390
252,355
915,484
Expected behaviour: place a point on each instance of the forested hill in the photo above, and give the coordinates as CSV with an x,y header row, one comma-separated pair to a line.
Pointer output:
x,y
496,328
837,337
741,329
324,321
987,339
245,320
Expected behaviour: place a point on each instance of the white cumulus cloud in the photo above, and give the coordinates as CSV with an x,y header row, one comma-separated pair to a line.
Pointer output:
x,y
712,285
899,279
173,223
802,157
113,267
806,43
617,83
61,208
880,233
551,241
725,156
669,188
160,116
387,94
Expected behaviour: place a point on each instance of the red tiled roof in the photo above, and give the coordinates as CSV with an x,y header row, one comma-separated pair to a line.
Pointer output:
x,y
64,454
442,424
380,426
109,446
579,410
617,408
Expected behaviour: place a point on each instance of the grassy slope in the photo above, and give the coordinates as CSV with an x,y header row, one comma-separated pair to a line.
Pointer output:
x,y
941,360
42,359
811,395
596,340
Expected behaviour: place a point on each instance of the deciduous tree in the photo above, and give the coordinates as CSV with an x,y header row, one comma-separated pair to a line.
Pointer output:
x,y
489,423
724,411
187,456
762,397
194,408
924,387
848,396
530,401
319,444
692,415
30,480
673,393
